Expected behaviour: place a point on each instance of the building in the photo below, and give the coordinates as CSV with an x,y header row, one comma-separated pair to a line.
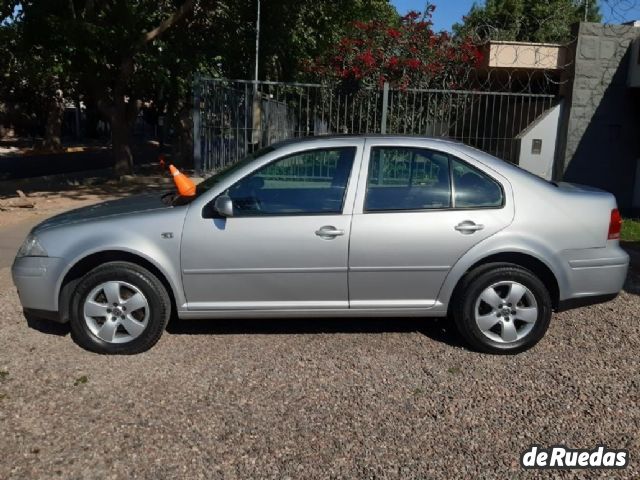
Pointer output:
x,y
599,135
592,133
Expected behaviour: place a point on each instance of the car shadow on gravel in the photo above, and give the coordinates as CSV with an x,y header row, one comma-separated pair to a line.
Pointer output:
x,y
632,284
438,329
47,326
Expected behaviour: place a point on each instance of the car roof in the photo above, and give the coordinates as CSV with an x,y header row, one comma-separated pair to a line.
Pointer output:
x,y
456,145
319,138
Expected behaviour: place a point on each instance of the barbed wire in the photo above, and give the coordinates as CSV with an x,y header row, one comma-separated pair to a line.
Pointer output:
x,y
535,60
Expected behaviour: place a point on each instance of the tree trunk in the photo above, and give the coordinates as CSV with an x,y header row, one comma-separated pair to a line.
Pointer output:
x,y
120,143
181,115
53,127
123,115
185,139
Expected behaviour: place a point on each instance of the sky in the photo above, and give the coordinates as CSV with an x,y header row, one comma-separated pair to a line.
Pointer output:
x,y
449,12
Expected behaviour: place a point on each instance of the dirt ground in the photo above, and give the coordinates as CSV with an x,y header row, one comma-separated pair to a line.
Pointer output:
x,y
60,195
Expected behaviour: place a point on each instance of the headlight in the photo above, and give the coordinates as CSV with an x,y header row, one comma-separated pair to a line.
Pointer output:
x,y
31,248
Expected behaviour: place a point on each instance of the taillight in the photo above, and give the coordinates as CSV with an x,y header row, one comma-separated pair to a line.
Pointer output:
x,y
615,224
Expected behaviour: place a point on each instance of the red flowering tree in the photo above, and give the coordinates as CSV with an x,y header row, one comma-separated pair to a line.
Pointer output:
x,y
407,53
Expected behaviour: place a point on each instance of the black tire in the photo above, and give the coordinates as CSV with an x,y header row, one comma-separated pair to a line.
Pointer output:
x,y
156,296
470,289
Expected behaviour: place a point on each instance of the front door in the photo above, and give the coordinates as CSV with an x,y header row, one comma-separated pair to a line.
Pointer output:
x,y
286,245
418,211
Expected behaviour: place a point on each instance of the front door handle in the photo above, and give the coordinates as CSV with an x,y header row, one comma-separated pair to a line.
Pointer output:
x,y
468,227
328,232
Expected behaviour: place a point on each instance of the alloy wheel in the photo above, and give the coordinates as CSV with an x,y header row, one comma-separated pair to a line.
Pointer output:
x,y
506,312
116,311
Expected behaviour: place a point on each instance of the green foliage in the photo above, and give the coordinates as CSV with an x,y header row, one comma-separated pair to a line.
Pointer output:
x,y
103,52
84,44
108,53
526,20
630,230
402,51
292,32
28,78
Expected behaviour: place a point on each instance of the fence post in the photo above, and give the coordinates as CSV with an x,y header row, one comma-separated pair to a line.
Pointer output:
x,y
197,139
385,107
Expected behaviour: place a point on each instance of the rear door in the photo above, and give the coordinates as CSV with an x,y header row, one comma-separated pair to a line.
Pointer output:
x,y
417,211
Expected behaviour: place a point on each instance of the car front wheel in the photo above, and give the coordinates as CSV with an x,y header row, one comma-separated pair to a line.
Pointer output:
x,y
119,308
502,308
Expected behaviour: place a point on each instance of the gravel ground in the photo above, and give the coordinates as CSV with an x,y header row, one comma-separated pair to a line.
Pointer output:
x,y
378,398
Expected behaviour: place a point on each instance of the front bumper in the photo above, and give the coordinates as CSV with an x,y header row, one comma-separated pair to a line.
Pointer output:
x,y
37,280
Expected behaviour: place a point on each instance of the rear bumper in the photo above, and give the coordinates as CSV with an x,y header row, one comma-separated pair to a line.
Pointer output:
x,y
36,279
578,302
594,275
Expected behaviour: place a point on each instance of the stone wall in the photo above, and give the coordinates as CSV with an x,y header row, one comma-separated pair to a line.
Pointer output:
x,y
600,143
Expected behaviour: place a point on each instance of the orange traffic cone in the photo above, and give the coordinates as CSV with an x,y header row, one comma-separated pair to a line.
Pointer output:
x,y
184,184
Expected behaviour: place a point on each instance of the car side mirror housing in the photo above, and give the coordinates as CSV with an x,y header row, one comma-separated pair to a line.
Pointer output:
x,y
223,206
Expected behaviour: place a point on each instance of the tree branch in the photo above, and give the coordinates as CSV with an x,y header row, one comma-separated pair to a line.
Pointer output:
x,y
73,9
178,15
126,67
87,11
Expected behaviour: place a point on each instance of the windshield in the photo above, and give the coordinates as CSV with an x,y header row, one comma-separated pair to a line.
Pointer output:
x,y
229,170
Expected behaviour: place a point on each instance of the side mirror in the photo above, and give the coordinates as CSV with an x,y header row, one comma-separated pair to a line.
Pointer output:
x,y
223,205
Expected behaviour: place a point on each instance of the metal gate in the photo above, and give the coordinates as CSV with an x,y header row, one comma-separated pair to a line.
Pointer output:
x,y
233,118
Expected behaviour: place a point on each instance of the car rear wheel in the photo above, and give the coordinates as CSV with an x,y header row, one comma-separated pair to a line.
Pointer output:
x,y
502,308
119,308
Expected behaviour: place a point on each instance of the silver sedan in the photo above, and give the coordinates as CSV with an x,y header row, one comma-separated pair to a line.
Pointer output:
x,y
332,227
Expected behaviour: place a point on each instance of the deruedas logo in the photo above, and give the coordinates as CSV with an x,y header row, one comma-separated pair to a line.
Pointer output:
x,y
559,456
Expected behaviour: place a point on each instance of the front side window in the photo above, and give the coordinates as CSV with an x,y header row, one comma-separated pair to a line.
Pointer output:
x,y
229,170
402,178
310,182
474,189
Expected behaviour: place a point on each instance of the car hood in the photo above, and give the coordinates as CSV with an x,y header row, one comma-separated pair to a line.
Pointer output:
x,y
123,206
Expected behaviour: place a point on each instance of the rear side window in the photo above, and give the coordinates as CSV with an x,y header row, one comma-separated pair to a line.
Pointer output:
x,y
402,178
474,189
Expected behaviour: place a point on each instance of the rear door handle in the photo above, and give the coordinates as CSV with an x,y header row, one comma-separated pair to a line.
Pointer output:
x,y
468,227
328,232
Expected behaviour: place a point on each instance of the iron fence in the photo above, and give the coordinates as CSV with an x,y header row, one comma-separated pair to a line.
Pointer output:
x,y
233,118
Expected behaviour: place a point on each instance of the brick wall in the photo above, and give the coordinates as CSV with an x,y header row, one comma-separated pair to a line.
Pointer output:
x,y
600,143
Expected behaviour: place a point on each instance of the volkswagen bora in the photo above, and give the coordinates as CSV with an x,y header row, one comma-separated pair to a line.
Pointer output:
x,y
332,227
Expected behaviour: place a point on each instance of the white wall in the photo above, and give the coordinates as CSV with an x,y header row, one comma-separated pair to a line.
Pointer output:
x,y
544,128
